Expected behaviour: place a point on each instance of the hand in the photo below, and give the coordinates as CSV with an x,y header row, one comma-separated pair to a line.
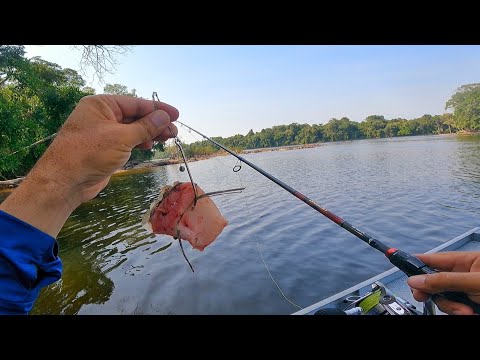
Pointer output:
x,y
96,140
461,272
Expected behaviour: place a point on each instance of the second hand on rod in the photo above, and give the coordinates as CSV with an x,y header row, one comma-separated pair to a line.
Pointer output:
x,y
409,264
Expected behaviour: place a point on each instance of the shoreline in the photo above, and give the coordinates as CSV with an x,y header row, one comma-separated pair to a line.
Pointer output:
x,y
162,162
9,185
134,166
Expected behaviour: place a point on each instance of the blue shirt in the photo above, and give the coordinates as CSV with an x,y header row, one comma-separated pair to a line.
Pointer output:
x,y
28,262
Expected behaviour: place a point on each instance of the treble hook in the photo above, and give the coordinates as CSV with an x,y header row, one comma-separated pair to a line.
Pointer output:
x,y
179,145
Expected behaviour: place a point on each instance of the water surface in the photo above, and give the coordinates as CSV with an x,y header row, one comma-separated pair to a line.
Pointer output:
x,y
413,193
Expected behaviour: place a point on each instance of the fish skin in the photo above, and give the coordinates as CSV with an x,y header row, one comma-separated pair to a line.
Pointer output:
x,y
172,213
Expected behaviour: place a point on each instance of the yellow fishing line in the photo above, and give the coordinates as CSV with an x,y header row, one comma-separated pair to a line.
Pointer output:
x,y
370,302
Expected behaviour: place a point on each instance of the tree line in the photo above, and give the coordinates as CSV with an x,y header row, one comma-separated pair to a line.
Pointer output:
x,y
374,126
36,97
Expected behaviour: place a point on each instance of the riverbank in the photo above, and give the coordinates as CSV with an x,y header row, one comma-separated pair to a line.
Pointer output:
x,y
283,148
163,162
10,184
135,165
132,166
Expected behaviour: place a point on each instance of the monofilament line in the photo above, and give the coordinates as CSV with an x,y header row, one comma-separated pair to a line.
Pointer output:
x,y
260,250
255,236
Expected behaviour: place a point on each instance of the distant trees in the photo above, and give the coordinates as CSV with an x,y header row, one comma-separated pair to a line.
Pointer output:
x,y
374,126
89,90
119,89
466,107
36,97
338,130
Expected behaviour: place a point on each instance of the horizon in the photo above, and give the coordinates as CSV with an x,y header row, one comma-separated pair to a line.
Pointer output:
x,y
257,87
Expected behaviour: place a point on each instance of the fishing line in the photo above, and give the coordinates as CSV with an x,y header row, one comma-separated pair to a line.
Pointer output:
x,y
409,264
236,169
200,140
259,247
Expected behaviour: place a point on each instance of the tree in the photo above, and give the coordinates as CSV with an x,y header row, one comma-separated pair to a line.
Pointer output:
x,y
306,135
119,89
102,58
466,107
36,97
340,130
392,128
404,128
374,126
11,58
424,125
89,90
449,121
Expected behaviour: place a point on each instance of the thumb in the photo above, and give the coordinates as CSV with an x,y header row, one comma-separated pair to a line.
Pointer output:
x,y
147,128
447,281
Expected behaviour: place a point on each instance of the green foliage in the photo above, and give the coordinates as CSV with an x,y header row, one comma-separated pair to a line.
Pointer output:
x,y
448,122
142,155
36,97
374,126
89,90
466,107
119,89
340,130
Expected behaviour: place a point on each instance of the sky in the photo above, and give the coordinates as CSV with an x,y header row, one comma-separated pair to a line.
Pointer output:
x,y
223,90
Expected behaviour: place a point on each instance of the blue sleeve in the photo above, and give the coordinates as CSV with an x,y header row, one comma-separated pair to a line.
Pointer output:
x,y
28,262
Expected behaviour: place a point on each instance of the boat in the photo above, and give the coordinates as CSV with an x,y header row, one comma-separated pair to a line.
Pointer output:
x,y
391,286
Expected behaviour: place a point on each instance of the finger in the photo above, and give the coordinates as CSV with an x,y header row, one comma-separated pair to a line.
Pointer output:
x,y
446,281
167,134
460,261
128,108
451,307
420,296
146,128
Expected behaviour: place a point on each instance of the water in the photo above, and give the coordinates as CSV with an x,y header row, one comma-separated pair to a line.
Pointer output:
x,y
413,193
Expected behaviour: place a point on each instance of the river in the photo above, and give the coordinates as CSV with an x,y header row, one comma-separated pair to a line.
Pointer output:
x,y
412,193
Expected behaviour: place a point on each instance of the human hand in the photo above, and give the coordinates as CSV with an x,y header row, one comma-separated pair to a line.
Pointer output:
x,y
96,140
460,271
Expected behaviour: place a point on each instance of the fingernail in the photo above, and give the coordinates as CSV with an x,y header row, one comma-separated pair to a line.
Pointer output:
x,y
416,281
160,119
456,312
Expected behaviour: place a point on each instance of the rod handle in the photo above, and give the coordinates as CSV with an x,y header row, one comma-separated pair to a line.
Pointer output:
x,y
456,296
411,265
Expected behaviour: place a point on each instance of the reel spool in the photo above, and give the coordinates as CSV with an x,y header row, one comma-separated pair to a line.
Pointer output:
x,y
375,302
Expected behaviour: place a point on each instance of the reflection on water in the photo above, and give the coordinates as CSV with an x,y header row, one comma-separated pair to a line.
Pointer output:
x,y
412,193
96,239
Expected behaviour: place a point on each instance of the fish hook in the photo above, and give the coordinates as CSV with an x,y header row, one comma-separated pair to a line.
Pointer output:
x,y
180,147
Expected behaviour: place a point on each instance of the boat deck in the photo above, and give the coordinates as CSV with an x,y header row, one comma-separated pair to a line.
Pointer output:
x,y
394,280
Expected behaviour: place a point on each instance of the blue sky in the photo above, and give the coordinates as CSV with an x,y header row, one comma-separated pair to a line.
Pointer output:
x,y
224,90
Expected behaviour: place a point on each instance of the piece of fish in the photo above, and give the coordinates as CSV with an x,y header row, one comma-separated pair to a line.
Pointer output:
x,y
173,214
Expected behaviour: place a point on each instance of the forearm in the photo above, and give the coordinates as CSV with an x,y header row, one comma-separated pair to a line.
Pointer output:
x,y
42,202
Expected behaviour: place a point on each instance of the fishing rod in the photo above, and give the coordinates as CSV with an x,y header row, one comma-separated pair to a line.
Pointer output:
x,y
409,264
